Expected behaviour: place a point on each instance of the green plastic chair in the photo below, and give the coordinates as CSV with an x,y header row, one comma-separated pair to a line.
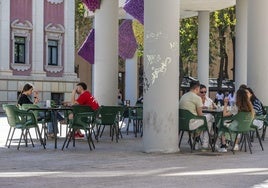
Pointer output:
x,y
184,119
242,124
83,118
109,116
265,124
135,114
42,120
254,129
23,120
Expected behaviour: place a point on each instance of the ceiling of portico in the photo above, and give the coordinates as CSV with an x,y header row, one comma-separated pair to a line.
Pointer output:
x,y
190,8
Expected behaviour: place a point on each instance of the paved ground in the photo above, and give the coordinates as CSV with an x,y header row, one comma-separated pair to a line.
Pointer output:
x,y
124,164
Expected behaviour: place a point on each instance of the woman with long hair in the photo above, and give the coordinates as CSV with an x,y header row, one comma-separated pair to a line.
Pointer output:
x,y
25,95
243,104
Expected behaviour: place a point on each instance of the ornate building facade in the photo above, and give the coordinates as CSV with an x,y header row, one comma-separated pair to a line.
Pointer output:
x,y
37,46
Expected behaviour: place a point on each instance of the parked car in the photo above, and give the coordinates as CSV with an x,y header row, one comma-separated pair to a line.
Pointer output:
x,y
227,85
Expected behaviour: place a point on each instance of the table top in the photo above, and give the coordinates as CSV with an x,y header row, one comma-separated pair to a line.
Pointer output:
x,y
210,110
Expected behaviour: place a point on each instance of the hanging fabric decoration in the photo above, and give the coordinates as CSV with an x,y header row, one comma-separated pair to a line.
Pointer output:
x,y
136,9
86,51
92,5
127,41
138,30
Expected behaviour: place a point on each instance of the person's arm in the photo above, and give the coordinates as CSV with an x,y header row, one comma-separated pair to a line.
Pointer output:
x,y
225,111
199,111
73,97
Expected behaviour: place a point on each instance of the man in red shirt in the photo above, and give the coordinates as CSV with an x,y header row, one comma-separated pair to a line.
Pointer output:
x,y
84,98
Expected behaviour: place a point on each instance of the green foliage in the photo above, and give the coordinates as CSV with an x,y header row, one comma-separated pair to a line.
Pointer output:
x,y
188,43
83,23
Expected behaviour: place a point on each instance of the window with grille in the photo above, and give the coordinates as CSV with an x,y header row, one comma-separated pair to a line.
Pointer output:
x,y
19,51
53,52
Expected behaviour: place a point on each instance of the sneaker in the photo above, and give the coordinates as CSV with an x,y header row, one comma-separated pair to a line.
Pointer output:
x,y
222,149
78,136
196,146
236,147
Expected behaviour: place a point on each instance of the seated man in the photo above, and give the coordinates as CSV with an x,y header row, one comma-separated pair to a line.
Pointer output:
x,y
192,102
84,97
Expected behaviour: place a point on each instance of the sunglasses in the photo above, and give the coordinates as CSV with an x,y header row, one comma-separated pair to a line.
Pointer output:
x,y
203,92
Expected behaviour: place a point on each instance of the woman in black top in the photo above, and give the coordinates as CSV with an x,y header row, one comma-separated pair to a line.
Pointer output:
x,y
24,97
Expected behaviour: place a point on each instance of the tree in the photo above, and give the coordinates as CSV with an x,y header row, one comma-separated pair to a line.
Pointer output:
x,y
188,45
223,23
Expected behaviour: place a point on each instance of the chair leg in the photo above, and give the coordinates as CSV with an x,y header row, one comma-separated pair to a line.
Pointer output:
x,y
11,137
181,135
263,132
68,135
8,135
234,143
22,134
88,139
28,133
259,138
247,138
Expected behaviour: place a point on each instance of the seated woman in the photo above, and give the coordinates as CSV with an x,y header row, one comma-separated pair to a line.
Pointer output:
x,y
243,104
258,108
207,103
25,98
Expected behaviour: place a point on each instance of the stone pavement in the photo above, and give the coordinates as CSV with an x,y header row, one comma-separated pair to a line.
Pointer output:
x,y
123,164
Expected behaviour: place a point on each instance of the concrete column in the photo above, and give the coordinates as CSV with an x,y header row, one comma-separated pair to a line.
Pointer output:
x,y
241,43
161,67
203,47
105,69
257,48
69,50
131,80
5,37
38,39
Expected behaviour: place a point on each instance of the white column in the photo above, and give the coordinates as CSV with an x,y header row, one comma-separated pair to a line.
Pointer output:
x,y
5,37
69,50
203,47
161,67
257,48
241,43
105,69
38,38
131,80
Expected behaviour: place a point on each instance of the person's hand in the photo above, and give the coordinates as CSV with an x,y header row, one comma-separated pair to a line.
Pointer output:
x,y
226,101
74,92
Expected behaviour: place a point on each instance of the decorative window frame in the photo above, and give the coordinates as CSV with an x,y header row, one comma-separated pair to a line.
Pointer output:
x,y
19,29
54,32
55,1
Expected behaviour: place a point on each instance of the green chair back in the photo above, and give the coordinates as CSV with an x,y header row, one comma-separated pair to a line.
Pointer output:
x,y
108,115
83,116
184,120
241,122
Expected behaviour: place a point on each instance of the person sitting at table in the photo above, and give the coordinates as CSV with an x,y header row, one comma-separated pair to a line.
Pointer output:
x,y
84,97
219,97
243,104
192,102
25,98
258,108
25,95
231,98
207,104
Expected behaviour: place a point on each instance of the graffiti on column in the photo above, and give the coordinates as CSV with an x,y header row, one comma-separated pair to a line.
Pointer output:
x,y
156,65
